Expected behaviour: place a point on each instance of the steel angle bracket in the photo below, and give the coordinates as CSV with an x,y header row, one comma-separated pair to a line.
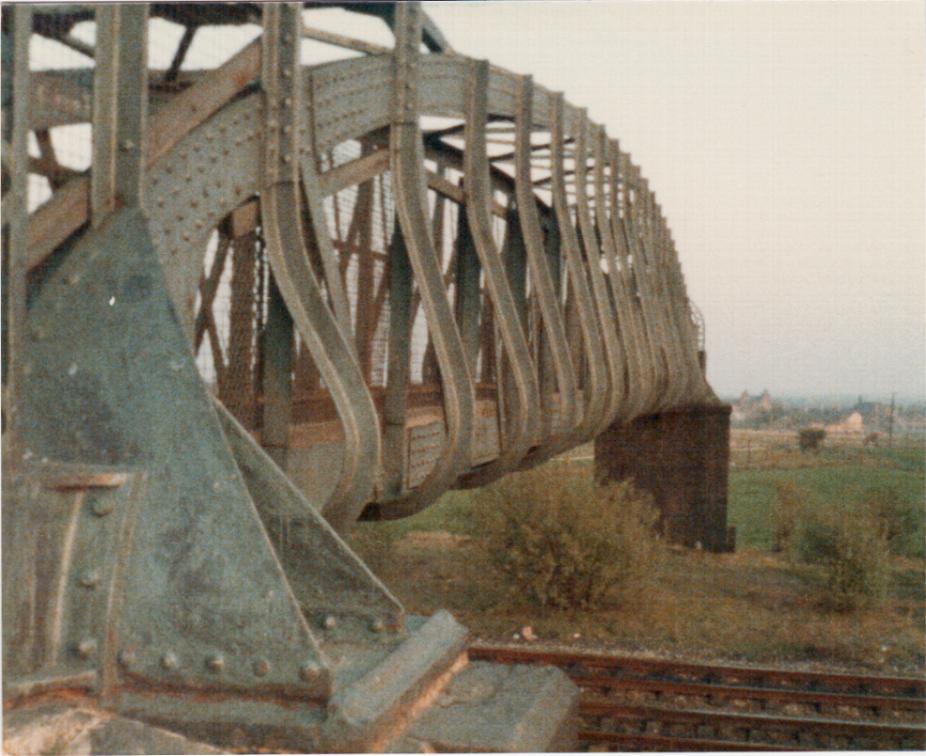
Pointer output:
x,y
554,329
407,164
596,388
112,381
329,344
522,404
640,378
67,533
599,288
327,578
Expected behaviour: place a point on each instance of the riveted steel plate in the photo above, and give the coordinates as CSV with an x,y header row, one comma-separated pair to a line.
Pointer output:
x,y
425,443
486,442
443,85
349,98
60,98
212,170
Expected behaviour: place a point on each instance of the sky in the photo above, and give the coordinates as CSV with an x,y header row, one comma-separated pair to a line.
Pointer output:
x,y
785,142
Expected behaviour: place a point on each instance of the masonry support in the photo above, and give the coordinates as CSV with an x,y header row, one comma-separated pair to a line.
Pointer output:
x,y
681,456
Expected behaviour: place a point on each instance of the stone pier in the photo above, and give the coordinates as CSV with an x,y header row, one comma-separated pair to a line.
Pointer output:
x,y
681,456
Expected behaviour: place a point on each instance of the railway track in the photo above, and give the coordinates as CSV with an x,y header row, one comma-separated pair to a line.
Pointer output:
x,y
634,704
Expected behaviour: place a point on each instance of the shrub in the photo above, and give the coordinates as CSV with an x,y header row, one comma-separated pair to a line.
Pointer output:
x,y
786,511
564,542
853,553
897,516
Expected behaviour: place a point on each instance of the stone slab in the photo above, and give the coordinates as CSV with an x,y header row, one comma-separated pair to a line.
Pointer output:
x,y
67,729
499,708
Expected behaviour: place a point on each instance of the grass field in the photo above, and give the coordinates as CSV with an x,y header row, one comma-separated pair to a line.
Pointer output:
x,y
753,605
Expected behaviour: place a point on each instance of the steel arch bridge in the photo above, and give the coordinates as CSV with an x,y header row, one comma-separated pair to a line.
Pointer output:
x,y
280,291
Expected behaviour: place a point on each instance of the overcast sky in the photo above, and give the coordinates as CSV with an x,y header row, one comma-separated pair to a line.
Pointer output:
x,y
785,141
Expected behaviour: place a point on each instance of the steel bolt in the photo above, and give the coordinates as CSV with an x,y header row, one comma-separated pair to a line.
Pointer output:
x,y
309,671
377,626
261,667
126,657
330,622
90,579
86,648
169,660
103,507
216,663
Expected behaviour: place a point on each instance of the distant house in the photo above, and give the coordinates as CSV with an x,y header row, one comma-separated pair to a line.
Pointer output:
x,y
853,425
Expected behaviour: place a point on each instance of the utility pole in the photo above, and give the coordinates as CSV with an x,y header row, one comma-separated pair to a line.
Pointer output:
x,y
890,425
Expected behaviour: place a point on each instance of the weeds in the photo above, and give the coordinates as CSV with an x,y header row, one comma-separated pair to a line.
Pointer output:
x,y
565,542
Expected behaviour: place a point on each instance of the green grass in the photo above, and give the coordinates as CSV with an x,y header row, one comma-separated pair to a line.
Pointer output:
x,y
751,605
752,492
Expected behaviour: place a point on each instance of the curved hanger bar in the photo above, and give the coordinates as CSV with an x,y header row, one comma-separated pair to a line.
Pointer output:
x,y
280,208
329,257
554,329
599,288
680,377
698,388
638,274
622,321
640,367
411,201
522,407
596,388
650,295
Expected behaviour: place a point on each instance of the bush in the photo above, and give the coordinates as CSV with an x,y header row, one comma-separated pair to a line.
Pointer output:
x,y
853,553
564,542
898,517
787,507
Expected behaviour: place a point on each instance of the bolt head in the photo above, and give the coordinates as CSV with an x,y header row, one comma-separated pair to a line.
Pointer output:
x,y
127,657
86,648
170,661
216,662
330,622
261,667
90,579
127,144
103,507
310,671
377,626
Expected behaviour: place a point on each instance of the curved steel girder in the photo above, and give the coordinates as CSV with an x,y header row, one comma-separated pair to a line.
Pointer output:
x,y
697,387
679,376
622,322
554,329
596,388
652,313
407,162
599,288
522,408
639,359
657,308
329,345
640,283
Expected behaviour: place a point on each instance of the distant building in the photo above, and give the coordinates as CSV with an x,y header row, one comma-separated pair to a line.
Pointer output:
x,y
853,425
